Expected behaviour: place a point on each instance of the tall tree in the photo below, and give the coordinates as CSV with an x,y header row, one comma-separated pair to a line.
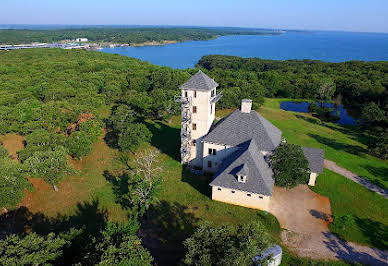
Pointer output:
x,y
326,90
226,245
50,165
290,166
31,249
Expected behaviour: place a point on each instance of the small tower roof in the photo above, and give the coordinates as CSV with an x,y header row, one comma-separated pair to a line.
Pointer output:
x,y
244,171
201,82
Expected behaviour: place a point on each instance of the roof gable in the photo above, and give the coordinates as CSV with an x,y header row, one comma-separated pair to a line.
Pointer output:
x,y
240,127
200,81
258,181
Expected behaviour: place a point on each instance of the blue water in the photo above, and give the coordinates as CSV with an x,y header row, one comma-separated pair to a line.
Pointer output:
x,y
326,46
302,107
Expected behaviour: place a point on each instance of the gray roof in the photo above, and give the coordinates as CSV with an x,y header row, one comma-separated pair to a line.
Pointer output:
x,y
315,157
244,171
201,82
259,179
240,127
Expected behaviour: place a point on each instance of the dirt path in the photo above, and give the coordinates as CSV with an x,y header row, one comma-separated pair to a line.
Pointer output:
x,y
346,173
325,245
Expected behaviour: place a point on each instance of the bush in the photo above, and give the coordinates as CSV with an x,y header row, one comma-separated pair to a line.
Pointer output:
x,y
133,136
79,144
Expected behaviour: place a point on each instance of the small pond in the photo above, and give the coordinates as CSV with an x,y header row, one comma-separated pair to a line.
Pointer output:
x,y
302,107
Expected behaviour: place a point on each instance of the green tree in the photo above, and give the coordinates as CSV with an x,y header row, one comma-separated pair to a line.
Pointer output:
x,y
119,245
133,136
290,166
226,245
3,151
371,114
121,117
326,90
379,146
31,249
50,165
12,183
79,144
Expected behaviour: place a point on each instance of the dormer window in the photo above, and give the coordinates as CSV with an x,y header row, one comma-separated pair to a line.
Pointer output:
x,y
242,178
242,173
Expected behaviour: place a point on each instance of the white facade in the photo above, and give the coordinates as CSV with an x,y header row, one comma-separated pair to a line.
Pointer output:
x,y
81,39
202,118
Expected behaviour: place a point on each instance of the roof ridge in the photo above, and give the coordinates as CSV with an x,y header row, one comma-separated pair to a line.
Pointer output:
x,y
265,124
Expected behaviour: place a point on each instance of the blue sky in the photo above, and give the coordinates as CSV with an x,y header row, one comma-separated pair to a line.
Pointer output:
x,y
348,15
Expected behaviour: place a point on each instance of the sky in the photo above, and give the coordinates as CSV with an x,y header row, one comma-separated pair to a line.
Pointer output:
x,y
341,15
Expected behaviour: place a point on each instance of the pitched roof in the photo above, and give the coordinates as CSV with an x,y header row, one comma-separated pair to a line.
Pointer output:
x,y
315,157
244,171
240,127
259,179
200,81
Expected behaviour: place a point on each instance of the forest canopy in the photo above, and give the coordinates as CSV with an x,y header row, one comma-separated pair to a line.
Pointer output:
x,y
121,35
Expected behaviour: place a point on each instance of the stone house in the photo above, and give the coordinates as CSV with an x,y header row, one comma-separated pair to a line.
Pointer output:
x,y
234,149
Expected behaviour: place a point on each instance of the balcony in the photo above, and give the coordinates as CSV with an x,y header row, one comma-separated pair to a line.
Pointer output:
x,y
216,98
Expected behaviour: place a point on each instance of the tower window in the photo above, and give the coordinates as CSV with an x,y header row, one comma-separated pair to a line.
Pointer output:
x,y
211,108
212,151
209,164
186,94
194,109
195,94
194,126
194,142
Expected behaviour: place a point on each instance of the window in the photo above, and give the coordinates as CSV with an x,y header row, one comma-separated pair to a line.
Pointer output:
x,y
194,142
195,94
242,178
211,108
233,191
260,197
213,92
186,94
209,164
194,126
212,151
194,109
219,189
248,195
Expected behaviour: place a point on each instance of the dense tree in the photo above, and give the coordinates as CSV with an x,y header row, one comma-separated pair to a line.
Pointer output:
x,y
133,136
226,245
31,249
12,183
371,114
51,165
379,146
79,144
121,34
325,91
290,166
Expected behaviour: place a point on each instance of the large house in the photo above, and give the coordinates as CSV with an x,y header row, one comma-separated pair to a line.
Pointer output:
x,y
234,149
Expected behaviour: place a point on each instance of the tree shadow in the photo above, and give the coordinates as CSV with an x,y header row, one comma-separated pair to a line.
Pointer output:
x,y
345,252
87,217
311,120
321,215
111,139
200,183
375,232
357,150
169,225
120,187
165,138
381,172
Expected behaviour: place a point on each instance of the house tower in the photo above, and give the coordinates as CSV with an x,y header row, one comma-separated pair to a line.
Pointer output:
x,y
198,99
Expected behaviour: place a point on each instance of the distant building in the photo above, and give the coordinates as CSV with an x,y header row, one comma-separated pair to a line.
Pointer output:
x,y
81,39
235,148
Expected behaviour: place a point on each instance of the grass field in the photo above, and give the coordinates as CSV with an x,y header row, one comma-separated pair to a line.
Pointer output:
x,y
359,214
344,145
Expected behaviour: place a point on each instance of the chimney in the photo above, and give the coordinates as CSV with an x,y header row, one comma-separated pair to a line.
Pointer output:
x,y
246,105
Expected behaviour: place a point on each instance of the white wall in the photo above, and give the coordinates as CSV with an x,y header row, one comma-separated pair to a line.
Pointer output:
x,y
223,151
203,119
240,198
313,178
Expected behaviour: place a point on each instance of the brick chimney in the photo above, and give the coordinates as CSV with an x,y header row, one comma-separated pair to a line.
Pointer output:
x,y
246,105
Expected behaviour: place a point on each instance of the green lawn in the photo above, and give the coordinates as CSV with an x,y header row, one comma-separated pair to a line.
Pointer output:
x,y
343,144
359,214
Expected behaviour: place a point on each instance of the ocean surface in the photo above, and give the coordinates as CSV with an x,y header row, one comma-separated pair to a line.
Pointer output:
x,y
320,45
